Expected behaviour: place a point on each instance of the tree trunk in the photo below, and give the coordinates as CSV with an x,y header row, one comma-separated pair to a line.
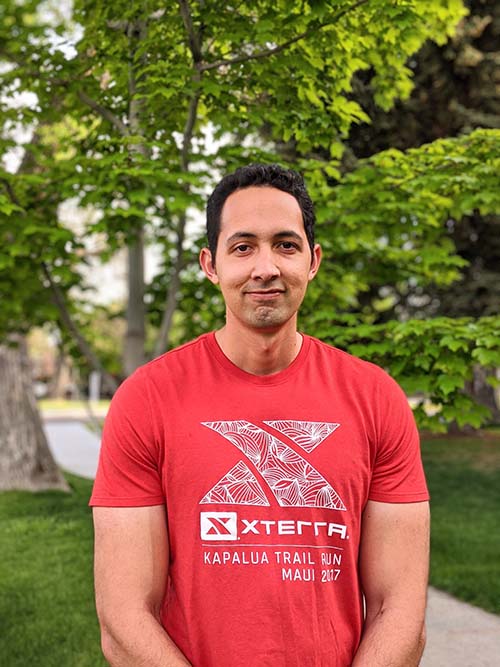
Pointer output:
x,y
55,381
135,336
484,393
134,354
25,459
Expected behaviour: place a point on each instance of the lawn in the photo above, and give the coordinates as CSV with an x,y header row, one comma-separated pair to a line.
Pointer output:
x,y
464,482
47,615
65,405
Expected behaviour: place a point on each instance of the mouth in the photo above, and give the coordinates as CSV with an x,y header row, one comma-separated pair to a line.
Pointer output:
x,y
265,294
265,291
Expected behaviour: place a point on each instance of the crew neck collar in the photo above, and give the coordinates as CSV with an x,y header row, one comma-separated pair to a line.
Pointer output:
x,y
262,380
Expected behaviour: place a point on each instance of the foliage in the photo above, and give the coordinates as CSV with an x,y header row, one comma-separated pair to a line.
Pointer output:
x,y
103,327
31,238
454,89
386,221
129,105
139,107
382,224
432,359
454,92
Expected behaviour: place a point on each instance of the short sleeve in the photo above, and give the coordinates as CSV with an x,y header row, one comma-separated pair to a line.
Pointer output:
x,y
128,473
398,474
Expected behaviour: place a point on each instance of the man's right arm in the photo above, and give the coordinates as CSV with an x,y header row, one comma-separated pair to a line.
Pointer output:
x,y
131,568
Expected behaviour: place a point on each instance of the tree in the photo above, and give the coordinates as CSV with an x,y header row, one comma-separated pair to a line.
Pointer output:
x,y
128,109
25,458
146,81
454,92
406,197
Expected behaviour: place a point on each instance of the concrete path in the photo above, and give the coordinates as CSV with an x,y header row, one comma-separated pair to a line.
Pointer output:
x,y
458,634
74,446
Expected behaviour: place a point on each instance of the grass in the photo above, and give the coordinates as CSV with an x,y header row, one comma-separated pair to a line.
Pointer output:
x,y
63,405
47,614
464,482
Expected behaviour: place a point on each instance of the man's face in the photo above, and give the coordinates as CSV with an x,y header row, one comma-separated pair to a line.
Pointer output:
x,y
263,262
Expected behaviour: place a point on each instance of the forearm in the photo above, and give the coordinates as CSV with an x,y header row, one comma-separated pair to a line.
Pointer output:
x,y
391,638
139,640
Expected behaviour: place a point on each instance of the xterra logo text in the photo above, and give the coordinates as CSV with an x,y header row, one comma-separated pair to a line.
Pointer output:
x,y
226,526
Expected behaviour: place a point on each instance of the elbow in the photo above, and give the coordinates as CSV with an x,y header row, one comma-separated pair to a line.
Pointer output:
x,y
423,637
110,633
109,646
421,641
121,634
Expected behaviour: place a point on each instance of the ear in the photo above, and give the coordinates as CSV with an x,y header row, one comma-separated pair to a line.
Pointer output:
x,y
207,266
315,261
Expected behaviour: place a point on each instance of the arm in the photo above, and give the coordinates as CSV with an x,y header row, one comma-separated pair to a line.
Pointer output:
x,y
131,567
394,557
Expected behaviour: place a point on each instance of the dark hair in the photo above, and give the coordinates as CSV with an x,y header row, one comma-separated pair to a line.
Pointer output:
x,y
272,175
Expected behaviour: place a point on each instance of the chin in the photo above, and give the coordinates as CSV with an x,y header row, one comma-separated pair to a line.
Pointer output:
x,y
268,320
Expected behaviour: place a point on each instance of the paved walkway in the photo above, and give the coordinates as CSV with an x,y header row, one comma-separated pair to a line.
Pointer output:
x,y
458,634
74,446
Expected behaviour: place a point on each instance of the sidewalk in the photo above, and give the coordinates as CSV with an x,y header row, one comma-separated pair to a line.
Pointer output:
x,y
74,446
458,634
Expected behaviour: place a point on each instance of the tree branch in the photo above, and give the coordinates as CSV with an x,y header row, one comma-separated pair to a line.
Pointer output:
x,y
188,130
193,36
195,47
174,283
57,295
120,26
60,303
174,280
281,47
105,113
10,191
475,116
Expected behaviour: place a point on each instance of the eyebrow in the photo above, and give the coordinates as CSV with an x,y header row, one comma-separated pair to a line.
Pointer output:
x,y
249,235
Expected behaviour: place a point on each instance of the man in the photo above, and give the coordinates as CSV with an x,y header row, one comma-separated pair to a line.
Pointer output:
x,y
260,498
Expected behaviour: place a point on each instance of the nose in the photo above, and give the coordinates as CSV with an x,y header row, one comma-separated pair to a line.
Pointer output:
x,y
265,267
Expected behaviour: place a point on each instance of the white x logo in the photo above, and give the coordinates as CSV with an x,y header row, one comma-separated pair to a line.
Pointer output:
x,y
292,480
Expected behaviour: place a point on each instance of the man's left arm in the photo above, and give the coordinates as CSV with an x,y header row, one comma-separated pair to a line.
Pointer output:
x,y
394,566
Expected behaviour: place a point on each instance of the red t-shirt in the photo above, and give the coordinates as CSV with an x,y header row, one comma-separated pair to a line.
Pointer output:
x,y
264,479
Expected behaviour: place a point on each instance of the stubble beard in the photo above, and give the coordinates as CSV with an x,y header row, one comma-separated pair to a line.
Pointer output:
x,y
266,317
269,316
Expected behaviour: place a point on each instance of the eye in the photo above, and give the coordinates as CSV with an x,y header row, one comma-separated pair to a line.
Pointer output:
x,y
288,246
242,248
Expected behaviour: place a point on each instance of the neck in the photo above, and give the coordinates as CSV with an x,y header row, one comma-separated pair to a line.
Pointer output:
x,y
260,352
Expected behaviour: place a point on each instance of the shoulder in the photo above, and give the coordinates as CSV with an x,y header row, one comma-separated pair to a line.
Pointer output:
x,y
172,363
346,364
189,349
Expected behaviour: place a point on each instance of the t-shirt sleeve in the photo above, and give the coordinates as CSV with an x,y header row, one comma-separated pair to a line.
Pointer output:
x,y
129,462
398,474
